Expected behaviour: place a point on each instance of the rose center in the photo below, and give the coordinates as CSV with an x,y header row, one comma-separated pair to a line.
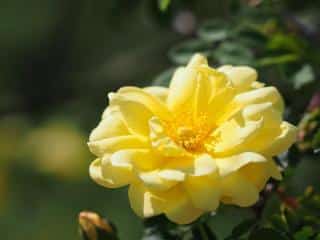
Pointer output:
x,y
189,132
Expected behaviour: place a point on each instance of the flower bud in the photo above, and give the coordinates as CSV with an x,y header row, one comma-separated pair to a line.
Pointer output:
x,y
94,227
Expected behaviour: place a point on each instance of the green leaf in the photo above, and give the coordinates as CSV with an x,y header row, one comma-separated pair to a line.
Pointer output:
x,y
181,54
214,31
292,219
316,141
164,4
266,234
304,76
304,234
287,42
233,53
278,222
203,232
282,59
226,218
243,228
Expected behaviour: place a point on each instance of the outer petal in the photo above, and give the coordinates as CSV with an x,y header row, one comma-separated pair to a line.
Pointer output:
x,y
144,202
282,142
232,138
274,170
256,126
135,114
174,203
137,107
111,145
204,191
237,190
159,92
141,159
201,165
110,126
241,76
232,164
259,173
161,180
153,103
204,164
179,208
110,176
260,95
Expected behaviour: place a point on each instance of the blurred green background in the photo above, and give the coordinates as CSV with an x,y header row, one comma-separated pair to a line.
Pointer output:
x,y
60,58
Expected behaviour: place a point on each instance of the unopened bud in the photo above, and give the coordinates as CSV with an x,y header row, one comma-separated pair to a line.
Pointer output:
x,y
94,227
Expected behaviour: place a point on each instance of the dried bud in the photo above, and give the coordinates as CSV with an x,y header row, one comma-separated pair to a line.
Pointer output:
x,y
94,227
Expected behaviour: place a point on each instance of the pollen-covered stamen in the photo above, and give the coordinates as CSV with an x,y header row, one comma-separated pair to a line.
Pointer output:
x,y
189,132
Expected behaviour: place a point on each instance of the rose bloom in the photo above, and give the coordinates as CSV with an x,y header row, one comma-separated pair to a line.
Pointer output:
x,y
208,138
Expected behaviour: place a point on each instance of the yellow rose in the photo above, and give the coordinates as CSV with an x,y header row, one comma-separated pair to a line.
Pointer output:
x,y
208,138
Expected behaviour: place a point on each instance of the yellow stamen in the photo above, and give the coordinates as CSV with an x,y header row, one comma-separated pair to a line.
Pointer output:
x,y
189,132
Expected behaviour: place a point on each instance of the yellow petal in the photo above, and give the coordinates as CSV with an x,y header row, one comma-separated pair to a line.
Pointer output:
x,y
202,95
231,164
161,180
254,128
159,92
271,120
232,138
236,189
111,145
152,103
143,202
242,76
204,165
259,173
222,92
270,115
110,126
256,173
96,173
261,95
135,115
107,176
184,164
174,203
204,191
172,175
182,89
197,60
118,171
282,142
161,142
274,170
141,159
179,207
